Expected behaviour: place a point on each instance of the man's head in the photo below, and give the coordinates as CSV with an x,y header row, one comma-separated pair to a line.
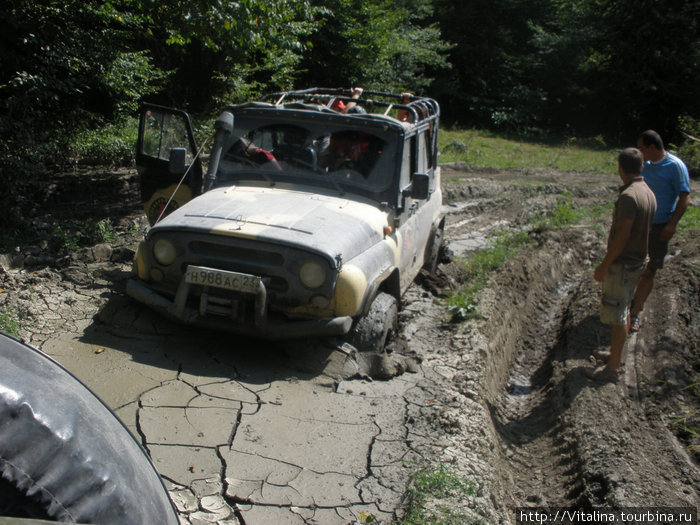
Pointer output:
x,y
630,162
650,144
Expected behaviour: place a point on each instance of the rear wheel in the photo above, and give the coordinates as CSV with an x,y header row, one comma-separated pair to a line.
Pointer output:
x,y
372,331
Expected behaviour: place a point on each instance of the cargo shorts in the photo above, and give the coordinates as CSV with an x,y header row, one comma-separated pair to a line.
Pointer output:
x,y
618,290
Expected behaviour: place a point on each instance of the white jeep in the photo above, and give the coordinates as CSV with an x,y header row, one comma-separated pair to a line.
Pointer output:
x,y
308,222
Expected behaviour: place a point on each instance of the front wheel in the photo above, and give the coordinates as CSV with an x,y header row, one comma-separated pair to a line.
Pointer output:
x,y
436,250
371,332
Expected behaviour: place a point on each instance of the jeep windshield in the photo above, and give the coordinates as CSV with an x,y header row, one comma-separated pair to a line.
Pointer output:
x,y
321,152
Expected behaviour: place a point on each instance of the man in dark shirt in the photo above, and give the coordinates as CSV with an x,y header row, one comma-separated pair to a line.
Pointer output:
x,y
626,257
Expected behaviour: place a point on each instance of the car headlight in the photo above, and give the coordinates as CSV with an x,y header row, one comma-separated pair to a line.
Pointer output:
x,y
164,252
312,274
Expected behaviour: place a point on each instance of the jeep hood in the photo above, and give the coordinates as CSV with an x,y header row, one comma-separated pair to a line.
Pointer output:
x,y
327,224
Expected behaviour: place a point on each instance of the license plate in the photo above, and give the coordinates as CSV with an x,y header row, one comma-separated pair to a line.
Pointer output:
x,y
239,282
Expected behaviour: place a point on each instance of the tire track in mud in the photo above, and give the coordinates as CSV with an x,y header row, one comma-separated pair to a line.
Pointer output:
x,y
542,460
529,370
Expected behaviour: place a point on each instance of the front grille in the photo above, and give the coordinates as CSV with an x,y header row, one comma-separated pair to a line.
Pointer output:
x,y
277,264
236,253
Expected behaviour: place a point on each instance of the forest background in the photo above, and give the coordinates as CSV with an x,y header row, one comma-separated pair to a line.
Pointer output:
x,y
72,73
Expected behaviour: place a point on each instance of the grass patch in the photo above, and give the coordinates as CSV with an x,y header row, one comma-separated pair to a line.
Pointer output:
x,y
9,323
475,271
565,214
690,219
437,483
69,236
483,149
63,237
108,145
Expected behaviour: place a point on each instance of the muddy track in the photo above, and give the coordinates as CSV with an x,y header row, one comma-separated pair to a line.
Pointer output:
x,y
556,438
528,415
501,400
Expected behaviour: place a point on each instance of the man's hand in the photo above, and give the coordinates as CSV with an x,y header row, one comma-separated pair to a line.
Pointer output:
x,y
599,273
668,232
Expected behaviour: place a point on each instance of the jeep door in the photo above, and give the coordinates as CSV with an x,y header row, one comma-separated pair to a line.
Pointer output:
x,y
166,159
418,216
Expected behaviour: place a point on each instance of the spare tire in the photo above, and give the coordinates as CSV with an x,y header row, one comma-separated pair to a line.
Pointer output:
x,y
66,453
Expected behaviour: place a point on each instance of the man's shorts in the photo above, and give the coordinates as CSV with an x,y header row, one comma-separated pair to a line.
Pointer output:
x,y
618,289
657,248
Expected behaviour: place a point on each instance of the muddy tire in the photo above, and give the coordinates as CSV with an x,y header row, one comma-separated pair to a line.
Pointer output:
x,y
371,332
64,455
435,253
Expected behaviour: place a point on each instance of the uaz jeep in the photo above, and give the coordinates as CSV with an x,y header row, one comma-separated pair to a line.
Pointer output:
x,y
310,220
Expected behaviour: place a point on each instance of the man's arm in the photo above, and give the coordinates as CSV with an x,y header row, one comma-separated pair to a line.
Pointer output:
x,y
681,205
623,228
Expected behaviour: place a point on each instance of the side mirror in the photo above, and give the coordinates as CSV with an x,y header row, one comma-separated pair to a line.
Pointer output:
x,y
177,161
420,186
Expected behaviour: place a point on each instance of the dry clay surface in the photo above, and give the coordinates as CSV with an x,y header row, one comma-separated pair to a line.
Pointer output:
x,y
246,432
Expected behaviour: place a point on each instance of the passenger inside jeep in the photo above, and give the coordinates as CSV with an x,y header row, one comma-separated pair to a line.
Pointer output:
x,y
310,152
354,150
248,153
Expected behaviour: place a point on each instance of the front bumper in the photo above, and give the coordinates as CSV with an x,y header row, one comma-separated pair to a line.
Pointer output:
x,y
264,326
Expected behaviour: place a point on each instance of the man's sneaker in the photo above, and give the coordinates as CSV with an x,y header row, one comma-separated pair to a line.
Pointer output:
x,y
635,323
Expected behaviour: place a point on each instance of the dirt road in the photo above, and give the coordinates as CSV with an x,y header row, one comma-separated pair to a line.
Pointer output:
x,y
252,433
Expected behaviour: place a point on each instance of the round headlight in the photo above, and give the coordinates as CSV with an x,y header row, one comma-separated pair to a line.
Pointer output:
x,y
312,274
164,251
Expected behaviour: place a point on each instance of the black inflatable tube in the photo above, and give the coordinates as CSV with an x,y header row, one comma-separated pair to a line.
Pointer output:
x,y
62,446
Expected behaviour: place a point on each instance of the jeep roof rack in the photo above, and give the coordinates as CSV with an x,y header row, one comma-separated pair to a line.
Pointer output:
x,y
421,108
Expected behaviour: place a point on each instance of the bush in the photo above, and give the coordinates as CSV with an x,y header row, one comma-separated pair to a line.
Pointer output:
x,y
111,145
689,150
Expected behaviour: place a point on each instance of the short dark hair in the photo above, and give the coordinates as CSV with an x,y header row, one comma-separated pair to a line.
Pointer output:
x,y
650,137
631,161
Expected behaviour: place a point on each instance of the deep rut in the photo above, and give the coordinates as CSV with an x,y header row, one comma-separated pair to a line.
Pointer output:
x,y
541,457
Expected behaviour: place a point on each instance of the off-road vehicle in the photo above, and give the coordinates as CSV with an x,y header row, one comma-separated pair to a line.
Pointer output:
x,y
311,220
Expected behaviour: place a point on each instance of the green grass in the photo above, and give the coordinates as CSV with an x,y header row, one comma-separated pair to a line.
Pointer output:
x,y
65,236
108,145
483,149
437,483
691,219
565,214
9,323
475,270
69,236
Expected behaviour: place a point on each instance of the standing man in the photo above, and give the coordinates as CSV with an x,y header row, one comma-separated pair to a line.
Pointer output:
x,y
625,258
667,177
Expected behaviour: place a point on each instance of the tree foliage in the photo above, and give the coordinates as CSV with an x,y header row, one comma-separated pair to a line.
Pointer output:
x,y
576,67
587,67
380,45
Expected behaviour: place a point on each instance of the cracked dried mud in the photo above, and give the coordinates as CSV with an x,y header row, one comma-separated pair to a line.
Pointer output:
x,y
245,432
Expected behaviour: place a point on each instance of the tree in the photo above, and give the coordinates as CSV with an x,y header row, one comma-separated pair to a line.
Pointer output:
x,y
616,67
380,45
492,83
225,51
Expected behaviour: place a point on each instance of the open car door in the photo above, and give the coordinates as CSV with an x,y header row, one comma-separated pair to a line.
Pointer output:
x,y
166,158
